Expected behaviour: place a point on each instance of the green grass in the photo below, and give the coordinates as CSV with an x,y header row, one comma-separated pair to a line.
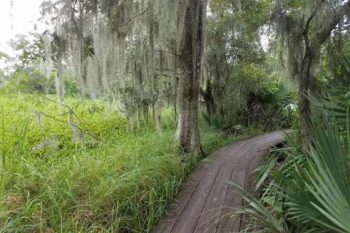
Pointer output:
x,y
119,182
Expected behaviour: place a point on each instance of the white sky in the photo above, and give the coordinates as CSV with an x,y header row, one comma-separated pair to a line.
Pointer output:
x,y
24,15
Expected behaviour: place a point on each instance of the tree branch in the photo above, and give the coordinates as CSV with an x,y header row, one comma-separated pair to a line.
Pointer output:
x,y
66,123
133,17
71,110
322,34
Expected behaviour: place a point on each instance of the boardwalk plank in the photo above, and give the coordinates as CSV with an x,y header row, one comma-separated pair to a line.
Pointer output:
x,y
228,219
206,202
193,210
212,210
175,209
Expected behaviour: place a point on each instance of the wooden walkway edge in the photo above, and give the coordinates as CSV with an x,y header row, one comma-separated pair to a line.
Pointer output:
x,y
206,202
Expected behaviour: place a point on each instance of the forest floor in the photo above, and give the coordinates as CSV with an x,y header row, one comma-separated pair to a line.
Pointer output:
x,y
207,203
107,179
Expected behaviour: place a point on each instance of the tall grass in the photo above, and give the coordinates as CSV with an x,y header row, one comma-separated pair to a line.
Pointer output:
x,y
121,184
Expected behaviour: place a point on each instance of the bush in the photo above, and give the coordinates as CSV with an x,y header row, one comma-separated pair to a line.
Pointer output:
x,y
257,98
306,191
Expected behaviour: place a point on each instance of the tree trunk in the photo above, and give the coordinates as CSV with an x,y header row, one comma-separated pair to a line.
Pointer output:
x,y
59,83
306,87
192,51
311,39
175,83
209,99
146,114
304,111
138,117
159,81
158,111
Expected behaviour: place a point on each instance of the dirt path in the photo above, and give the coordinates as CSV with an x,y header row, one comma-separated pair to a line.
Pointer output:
x,y
206,203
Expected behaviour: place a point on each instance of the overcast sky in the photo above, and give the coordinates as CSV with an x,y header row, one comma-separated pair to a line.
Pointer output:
x,y
24,15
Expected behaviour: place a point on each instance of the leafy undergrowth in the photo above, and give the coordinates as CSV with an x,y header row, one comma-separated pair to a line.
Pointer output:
x,y
305,190
107,180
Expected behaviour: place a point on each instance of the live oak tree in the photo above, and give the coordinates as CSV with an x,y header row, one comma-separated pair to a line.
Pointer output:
x,y
192,54
303,27
138,53
144,55
58,47
233,40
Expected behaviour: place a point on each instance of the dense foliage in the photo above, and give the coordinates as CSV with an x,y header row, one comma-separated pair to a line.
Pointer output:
x,y
116,180
305,195
89,109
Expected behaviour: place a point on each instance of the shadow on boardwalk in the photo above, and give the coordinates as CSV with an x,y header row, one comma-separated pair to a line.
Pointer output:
x,y
206,203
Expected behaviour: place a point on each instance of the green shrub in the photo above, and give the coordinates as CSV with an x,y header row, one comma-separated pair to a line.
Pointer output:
x,y
308,191
257,98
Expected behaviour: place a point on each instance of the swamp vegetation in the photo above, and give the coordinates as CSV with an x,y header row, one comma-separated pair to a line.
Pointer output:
x,y
107,111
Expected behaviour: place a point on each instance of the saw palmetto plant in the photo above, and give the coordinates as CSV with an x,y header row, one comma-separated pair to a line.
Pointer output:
x,y
310,191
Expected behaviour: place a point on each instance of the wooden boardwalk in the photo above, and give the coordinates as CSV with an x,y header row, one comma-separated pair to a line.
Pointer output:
x,y
206,203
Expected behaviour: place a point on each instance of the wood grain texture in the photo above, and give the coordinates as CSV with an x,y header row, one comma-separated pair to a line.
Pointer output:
x,y
206,203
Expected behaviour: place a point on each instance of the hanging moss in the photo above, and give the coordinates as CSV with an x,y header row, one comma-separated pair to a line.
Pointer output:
x,y
123,50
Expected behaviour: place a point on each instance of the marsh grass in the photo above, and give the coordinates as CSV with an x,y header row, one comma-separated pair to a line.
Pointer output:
x,y
120,184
